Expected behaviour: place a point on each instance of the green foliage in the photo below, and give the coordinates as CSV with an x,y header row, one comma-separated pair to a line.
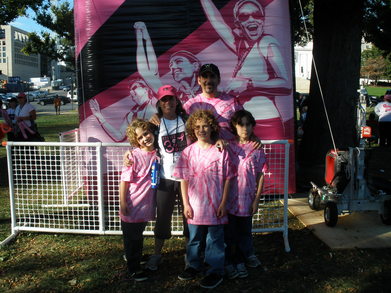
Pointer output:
x,y
59,19
377,24
302,17
11,9
374,65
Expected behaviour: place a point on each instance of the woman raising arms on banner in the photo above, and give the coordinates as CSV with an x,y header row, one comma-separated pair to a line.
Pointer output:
x,y
260,73
183,66
141,105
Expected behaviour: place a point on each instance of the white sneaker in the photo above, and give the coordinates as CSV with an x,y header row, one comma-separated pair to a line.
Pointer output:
x,y
153,262
230,272
242,271
252,261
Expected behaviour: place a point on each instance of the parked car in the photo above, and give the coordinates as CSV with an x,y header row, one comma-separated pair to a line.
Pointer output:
x,y
74,95
49,99
65,88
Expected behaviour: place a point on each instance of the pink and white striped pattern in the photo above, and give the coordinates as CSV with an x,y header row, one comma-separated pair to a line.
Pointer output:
x,y
222,107
248,162
206,171
140,196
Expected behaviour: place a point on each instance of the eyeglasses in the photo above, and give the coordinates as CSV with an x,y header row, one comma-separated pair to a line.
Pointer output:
x,y
255,15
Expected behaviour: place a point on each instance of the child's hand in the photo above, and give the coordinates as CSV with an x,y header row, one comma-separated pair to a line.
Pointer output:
x,y
124,209
221,211
188,212
255,207
256,144
128,159
221,144
155,119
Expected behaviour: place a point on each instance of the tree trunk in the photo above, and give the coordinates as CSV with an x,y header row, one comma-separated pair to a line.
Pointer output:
x,y
337,43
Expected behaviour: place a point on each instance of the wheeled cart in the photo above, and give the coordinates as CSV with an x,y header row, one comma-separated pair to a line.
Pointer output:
x,y
346,190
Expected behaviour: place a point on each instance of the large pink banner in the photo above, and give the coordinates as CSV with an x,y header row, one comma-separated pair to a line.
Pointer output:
x,y
127,49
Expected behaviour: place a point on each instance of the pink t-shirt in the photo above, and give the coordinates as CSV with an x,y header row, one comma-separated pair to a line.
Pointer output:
x,y
206,171
140,196
248,162
222,107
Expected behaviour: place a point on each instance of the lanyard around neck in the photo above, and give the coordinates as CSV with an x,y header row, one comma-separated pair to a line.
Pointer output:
x,y
175,137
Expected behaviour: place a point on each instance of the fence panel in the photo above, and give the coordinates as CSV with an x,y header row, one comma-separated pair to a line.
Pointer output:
x,y
73,188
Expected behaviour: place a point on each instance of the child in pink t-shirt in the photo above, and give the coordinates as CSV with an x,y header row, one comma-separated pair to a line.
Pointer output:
x,y
244,196
137,202
205,173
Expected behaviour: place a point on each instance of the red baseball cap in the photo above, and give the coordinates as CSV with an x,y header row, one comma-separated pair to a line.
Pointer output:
x,y
166,90
21,95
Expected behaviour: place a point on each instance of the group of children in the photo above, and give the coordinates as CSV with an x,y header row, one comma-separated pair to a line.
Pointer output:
x,y
221,189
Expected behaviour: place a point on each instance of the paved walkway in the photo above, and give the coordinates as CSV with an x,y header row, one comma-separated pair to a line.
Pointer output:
x,y
358,230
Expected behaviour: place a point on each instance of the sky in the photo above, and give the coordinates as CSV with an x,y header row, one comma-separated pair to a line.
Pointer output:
x,y
29,25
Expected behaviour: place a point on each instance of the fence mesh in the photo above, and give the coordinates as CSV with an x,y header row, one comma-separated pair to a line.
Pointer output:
x,y
74,187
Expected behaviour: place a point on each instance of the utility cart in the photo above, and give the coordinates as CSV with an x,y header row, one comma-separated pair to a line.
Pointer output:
x,y
347,190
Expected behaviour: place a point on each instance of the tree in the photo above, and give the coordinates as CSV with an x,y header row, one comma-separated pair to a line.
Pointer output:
x,y
58,45
61,46
337,42
11,9
374,65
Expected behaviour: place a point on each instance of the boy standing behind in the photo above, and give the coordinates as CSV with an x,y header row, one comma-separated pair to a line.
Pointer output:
x,y
205,174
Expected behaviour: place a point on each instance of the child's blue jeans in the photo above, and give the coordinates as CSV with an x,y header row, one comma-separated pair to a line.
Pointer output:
x,y
214,250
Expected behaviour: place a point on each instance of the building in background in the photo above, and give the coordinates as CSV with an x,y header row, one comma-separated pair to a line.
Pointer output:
x,y
303,61
13,63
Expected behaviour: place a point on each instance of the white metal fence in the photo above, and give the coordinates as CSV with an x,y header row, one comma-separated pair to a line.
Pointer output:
x,y
73,188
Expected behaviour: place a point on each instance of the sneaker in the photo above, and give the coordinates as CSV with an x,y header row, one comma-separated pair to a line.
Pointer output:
x,y
242,271
211,281
252,261
153,262
230,272
188,274
139,276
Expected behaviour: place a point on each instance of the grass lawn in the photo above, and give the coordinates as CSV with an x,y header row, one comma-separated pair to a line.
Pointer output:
x,y
43,262
376,90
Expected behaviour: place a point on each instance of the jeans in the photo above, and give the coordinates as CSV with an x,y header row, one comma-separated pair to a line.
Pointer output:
x,y
239,239
214,250
133,244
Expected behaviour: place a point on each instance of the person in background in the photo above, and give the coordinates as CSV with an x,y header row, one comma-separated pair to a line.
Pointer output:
x,y
13,103
383,110
57,104
137,200
245,193
205,173
25,115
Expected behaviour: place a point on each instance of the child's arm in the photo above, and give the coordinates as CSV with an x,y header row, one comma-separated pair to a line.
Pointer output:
x,y
221,211
123,188
187,209
258,193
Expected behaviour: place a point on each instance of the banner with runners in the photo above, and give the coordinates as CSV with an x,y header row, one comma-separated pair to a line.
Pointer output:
x,y
126,50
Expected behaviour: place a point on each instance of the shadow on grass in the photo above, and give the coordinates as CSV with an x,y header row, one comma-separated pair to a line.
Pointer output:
x,y
77,263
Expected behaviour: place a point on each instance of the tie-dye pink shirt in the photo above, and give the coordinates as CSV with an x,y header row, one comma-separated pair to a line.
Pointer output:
x,y
206,171
140,196
248,162
222,107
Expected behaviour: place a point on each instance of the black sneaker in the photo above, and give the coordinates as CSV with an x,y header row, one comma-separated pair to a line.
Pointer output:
x,y
188,274
139,276
211,281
